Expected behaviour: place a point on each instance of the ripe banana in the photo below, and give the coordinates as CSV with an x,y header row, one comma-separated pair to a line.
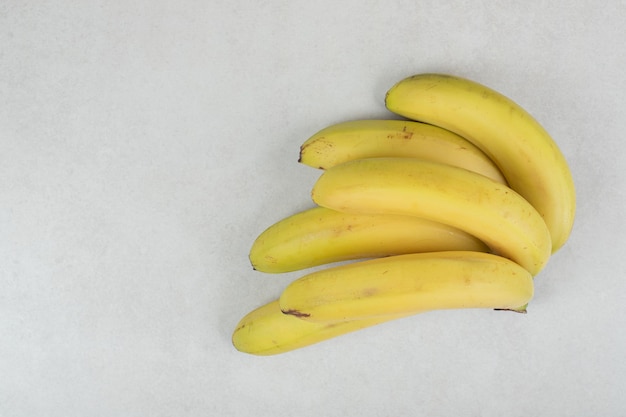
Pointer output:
x,y
471,202
408,284
528,157
360,139
320,236
267,331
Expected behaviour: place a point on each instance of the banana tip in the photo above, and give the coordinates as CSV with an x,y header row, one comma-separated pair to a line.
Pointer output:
x,y
521,310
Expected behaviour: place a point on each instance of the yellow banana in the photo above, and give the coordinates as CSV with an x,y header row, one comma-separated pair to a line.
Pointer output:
x,y
320,236
488,210
267,331
408,284
360,139
528,157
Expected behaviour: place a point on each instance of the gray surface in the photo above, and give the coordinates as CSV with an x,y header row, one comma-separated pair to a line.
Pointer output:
x,y
144,145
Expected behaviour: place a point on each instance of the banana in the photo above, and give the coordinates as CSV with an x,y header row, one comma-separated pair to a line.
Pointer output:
x,y
528,157
320,236
424,282
471,202
267,331
408,284
359,139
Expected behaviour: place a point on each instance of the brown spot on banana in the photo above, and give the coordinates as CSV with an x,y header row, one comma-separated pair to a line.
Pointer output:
x,y
296,313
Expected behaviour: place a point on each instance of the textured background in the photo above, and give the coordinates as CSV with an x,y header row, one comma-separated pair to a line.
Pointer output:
x,y
145,144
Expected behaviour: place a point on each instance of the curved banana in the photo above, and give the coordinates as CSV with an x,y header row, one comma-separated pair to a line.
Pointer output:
x,y
493,213
408,284
528,157
320,236
267,331
360,139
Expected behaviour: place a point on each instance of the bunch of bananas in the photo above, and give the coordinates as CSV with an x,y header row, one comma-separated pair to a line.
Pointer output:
x,y
459,206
